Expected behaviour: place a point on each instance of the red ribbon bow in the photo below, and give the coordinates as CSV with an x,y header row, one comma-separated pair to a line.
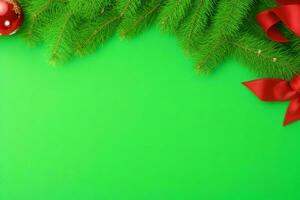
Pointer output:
x,y
270,89
288,12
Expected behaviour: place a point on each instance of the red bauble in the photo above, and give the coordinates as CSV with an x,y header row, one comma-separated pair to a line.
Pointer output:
x,y
11,17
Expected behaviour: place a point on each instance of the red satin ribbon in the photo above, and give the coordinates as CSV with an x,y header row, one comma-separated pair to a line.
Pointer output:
x,y
288,12
269,89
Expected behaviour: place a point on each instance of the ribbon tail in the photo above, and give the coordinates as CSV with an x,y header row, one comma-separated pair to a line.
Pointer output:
x,y
293,112
269,89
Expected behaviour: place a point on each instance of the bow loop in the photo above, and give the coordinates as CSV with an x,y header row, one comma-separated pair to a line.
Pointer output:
x,y
293,112
288,13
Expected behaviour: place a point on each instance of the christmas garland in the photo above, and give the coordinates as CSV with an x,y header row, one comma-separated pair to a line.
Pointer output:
x,y
262,33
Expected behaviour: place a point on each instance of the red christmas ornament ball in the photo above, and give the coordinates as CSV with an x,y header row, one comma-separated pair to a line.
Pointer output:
x,y
11,17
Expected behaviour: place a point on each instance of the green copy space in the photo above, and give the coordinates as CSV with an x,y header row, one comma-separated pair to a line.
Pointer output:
x,y
134,121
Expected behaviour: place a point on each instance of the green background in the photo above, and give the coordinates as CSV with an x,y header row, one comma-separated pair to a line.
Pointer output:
x,y
134,121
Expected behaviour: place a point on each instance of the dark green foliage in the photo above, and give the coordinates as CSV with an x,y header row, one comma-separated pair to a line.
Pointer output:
x,y
172,13
144,16
226,25
62,41
128,8
39,15
96,33
192,29
209,30
265,57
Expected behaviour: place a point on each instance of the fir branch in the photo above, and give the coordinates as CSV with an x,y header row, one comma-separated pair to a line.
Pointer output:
x,y
193,27
41,15
89,9
66,28
265,57
144,17
62,40
128,8
226,25
172,13
296,45
96,33
267,3
207,28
